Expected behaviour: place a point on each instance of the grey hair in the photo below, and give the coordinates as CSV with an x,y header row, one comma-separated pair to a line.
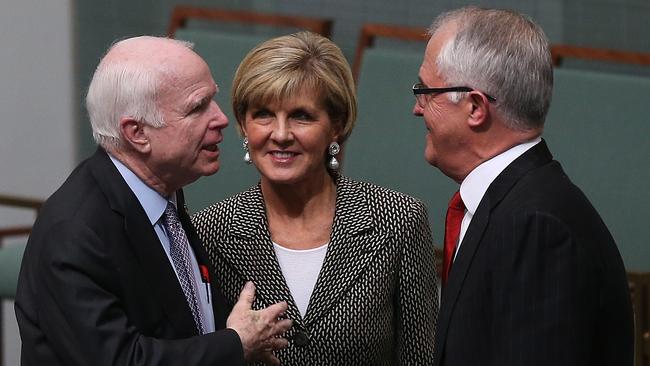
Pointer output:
x,y
501,53
124,88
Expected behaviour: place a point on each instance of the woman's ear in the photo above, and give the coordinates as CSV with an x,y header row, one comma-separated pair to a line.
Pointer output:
x,y
242,128
337,129
134,134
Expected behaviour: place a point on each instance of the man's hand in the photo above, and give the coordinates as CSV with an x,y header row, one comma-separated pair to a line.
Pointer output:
x,y
259,330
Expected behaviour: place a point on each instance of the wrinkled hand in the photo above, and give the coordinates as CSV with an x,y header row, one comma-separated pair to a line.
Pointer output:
x,y
259,331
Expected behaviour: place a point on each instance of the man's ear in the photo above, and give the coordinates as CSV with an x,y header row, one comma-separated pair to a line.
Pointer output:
x,y
134,134
480,109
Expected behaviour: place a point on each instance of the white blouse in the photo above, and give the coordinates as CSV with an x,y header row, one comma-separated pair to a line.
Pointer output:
x,y
300,269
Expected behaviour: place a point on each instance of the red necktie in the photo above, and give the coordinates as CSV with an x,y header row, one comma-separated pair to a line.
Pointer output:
x,y
455,213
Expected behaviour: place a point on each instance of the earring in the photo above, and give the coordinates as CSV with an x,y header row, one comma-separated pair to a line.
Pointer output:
x,y
247,155
333,149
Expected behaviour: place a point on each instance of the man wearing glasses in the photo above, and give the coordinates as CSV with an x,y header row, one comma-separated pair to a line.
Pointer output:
x,y
531,275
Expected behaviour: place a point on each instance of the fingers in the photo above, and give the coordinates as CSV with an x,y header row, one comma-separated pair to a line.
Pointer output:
x,y
269,359
246,297
275,344
282,326
274,311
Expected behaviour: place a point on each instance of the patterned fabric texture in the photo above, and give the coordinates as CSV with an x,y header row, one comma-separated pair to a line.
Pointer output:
x,y
179,251
375,300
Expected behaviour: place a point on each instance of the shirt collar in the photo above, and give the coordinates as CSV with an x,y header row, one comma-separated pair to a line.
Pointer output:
x,y
479,180
152,202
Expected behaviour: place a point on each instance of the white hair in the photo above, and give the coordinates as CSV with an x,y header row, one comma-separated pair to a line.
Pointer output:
x,y
503,54
124,88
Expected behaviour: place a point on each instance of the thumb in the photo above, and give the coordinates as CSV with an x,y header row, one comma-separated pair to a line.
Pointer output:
x,y
246,296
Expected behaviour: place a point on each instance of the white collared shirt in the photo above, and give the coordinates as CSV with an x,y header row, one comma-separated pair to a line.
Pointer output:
x,y
154,206
477,182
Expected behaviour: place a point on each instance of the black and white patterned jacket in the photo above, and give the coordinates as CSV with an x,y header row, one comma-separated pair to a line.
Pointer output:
x,y
375,300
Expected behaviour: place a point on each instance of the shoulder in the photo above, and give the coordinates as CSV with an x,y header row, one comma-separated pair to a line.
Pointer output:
x,y
220,214
380,198
389,209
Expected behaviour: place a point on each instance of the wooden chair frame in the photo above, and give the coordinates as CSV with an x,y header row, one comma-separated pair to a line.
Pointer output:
x,y
16,202
560,51
370,32
640,291
181,14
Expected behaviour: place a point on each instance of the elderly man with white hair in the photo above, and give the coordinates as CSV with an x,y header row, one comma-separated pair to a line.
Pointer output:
x,y
113,273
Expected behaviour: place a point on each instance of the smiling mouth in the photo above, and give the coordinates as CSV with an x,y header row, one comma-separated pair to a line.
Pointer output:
x,y
283,154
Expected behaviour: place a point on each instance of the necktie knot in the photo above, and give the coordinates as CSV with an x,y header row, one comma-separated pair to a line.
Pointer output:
x,y
456,202
170,216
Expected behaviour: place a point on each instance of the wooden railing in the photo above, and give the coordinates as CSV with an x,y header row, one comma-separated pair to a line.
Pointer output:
x,y
18,202
182,14
370,31
559,52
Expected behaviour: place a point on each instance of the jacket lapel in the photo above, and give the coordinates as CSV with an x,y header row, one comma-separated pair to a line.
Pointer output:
x,y
535,157
353,243
145,244
251,252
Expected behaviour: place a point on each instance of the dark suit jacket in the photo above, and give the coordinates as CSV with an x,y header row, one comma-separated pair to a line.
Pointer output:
x,y
96,287
538,279
375,300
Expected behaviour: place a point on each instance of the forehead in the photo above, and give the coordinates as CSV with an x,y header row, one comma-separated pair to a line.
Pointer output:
x,y
429,68
187,77
304,93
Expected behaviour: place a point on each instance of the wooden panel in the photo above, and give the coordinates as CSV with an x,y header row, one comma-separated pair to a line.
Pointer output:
x,y
640,291
182,14
560,52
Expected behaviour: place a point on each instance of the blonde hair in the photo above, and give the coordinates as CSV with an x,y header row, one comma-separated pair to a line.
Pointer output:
x,y
282,67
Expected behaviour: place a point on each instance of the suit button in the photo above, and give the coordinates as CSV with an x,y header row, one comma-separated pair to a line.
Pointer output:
x,y
301,339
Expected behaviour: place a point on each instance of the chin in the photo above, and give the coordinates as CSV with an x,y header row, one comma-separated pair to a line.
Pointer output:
x,y
209,170
284,178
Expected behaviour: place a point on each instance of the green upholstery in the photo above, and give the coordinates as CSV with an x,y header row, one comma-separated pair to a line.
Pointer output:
x,y
223,53
599,130
10,259
387,144
596,128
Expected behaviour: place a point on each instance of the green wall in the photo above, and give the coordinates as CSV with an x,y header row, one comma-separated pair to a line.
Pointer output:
x,y
617,24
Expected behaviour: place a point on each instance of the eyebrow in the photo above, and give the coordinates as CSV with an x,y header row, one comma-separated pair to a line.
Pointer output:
x,y
205,98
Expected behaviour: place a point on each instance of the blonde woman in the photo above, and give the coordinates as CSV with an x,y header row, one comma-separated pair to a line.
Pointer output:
x,y
354,261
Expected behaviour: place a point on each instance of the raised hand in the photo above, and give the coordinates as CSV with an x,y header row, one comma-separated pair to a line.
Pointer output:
x,y
259,330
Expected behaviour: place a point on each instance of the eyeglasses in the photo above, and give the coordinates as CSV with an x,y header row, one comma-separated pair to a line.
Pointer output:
x,y
421,91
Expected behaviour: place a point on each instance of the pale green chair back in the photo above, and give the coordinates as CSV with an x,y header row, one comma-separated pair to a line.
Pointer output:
x,y
10,259
598,128
387,144
223,53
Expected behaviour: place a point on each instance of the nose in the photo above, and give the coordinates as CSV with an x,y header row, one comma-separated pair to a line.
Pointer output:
x,y
219,119
281,131
417,110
